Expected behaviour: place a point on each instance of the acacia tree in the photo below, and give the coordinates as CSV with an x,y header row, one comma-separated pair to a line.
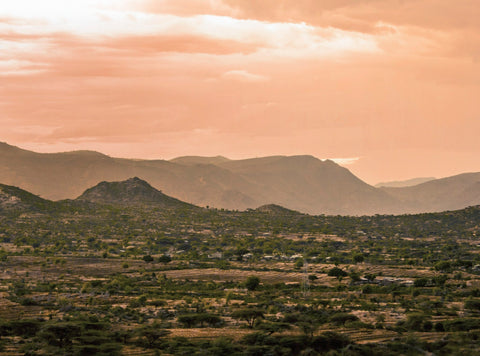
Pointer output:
x,y
249,315
150,335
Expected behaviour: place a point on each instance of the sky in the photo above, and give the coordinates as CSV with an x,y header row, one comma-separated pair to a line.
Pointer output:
x,y
388,88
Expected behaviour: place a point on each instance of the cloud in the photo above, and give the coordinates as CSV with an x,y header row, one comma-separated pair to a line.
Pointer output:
x,y
348,78
12,67
344,161
184,7
178,43
450,28
347,14
244,76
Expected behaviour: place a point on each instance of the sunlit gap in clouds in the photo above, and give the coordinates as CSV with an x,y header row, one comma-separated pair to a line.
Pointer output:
x,y
331,79
343,161
105,20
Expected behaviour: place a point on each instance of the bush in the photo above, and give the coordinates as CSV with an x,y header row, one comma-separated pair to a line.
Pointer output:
x,y
444,266
342,318
439,327
147,258
298,263
249,315
337,272
358,258
252,283
191,320
330,340
472,304
420,282
164,259
462,324
418,322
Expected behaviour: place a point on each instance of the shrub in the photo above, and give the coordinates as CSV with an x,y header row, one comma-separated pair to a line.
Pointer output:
x,y
147,258
472,304
342,318
337,272
252,283
420,282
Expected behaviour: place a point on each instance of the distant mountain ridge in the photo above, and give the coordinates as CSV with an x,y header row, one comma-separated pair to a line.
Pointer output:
x,y
192,160
404,183
302,183
449,193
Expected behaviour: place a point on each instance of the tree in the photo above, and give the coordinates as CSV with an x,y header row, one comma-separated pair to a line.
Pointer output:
x,y
164,259
355,276
191,320
60,334
252,283
342,318
249,315
337,272
444,266
420,282
416,322
149,335
147,258
188,320
273,327
472,304
358,258
308,326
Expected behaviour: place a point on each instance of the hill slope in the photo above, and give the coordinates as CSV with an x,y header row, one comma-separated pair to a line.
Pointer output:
x,y
133,191
307,184
192,160
302,183
404,183
274,209
67,175
449,193
13,198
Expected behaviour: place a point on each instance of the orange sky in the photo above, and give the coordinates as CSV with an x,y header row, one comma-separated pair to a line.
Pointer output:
x,y
392,85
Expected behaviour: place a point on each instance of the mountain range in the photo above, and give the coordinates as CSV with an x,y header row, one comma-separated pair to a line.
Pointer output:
x,y
302,183
404,183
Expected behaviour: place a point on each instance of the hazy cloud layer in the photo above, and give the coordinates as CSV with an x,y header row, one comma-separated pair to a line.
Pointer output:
x,y
374,80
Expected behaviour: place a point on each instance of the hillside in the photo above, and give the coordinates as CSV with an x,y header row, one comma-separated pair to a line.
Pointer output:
x,y
302,183
449,193
76,264
67,175
313,186
192,160
133,191
404,183
275,210
13,198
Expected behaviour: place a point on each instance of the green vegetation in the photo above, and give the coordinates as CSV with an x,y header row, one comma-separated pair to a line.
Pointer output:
x,y
80,278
